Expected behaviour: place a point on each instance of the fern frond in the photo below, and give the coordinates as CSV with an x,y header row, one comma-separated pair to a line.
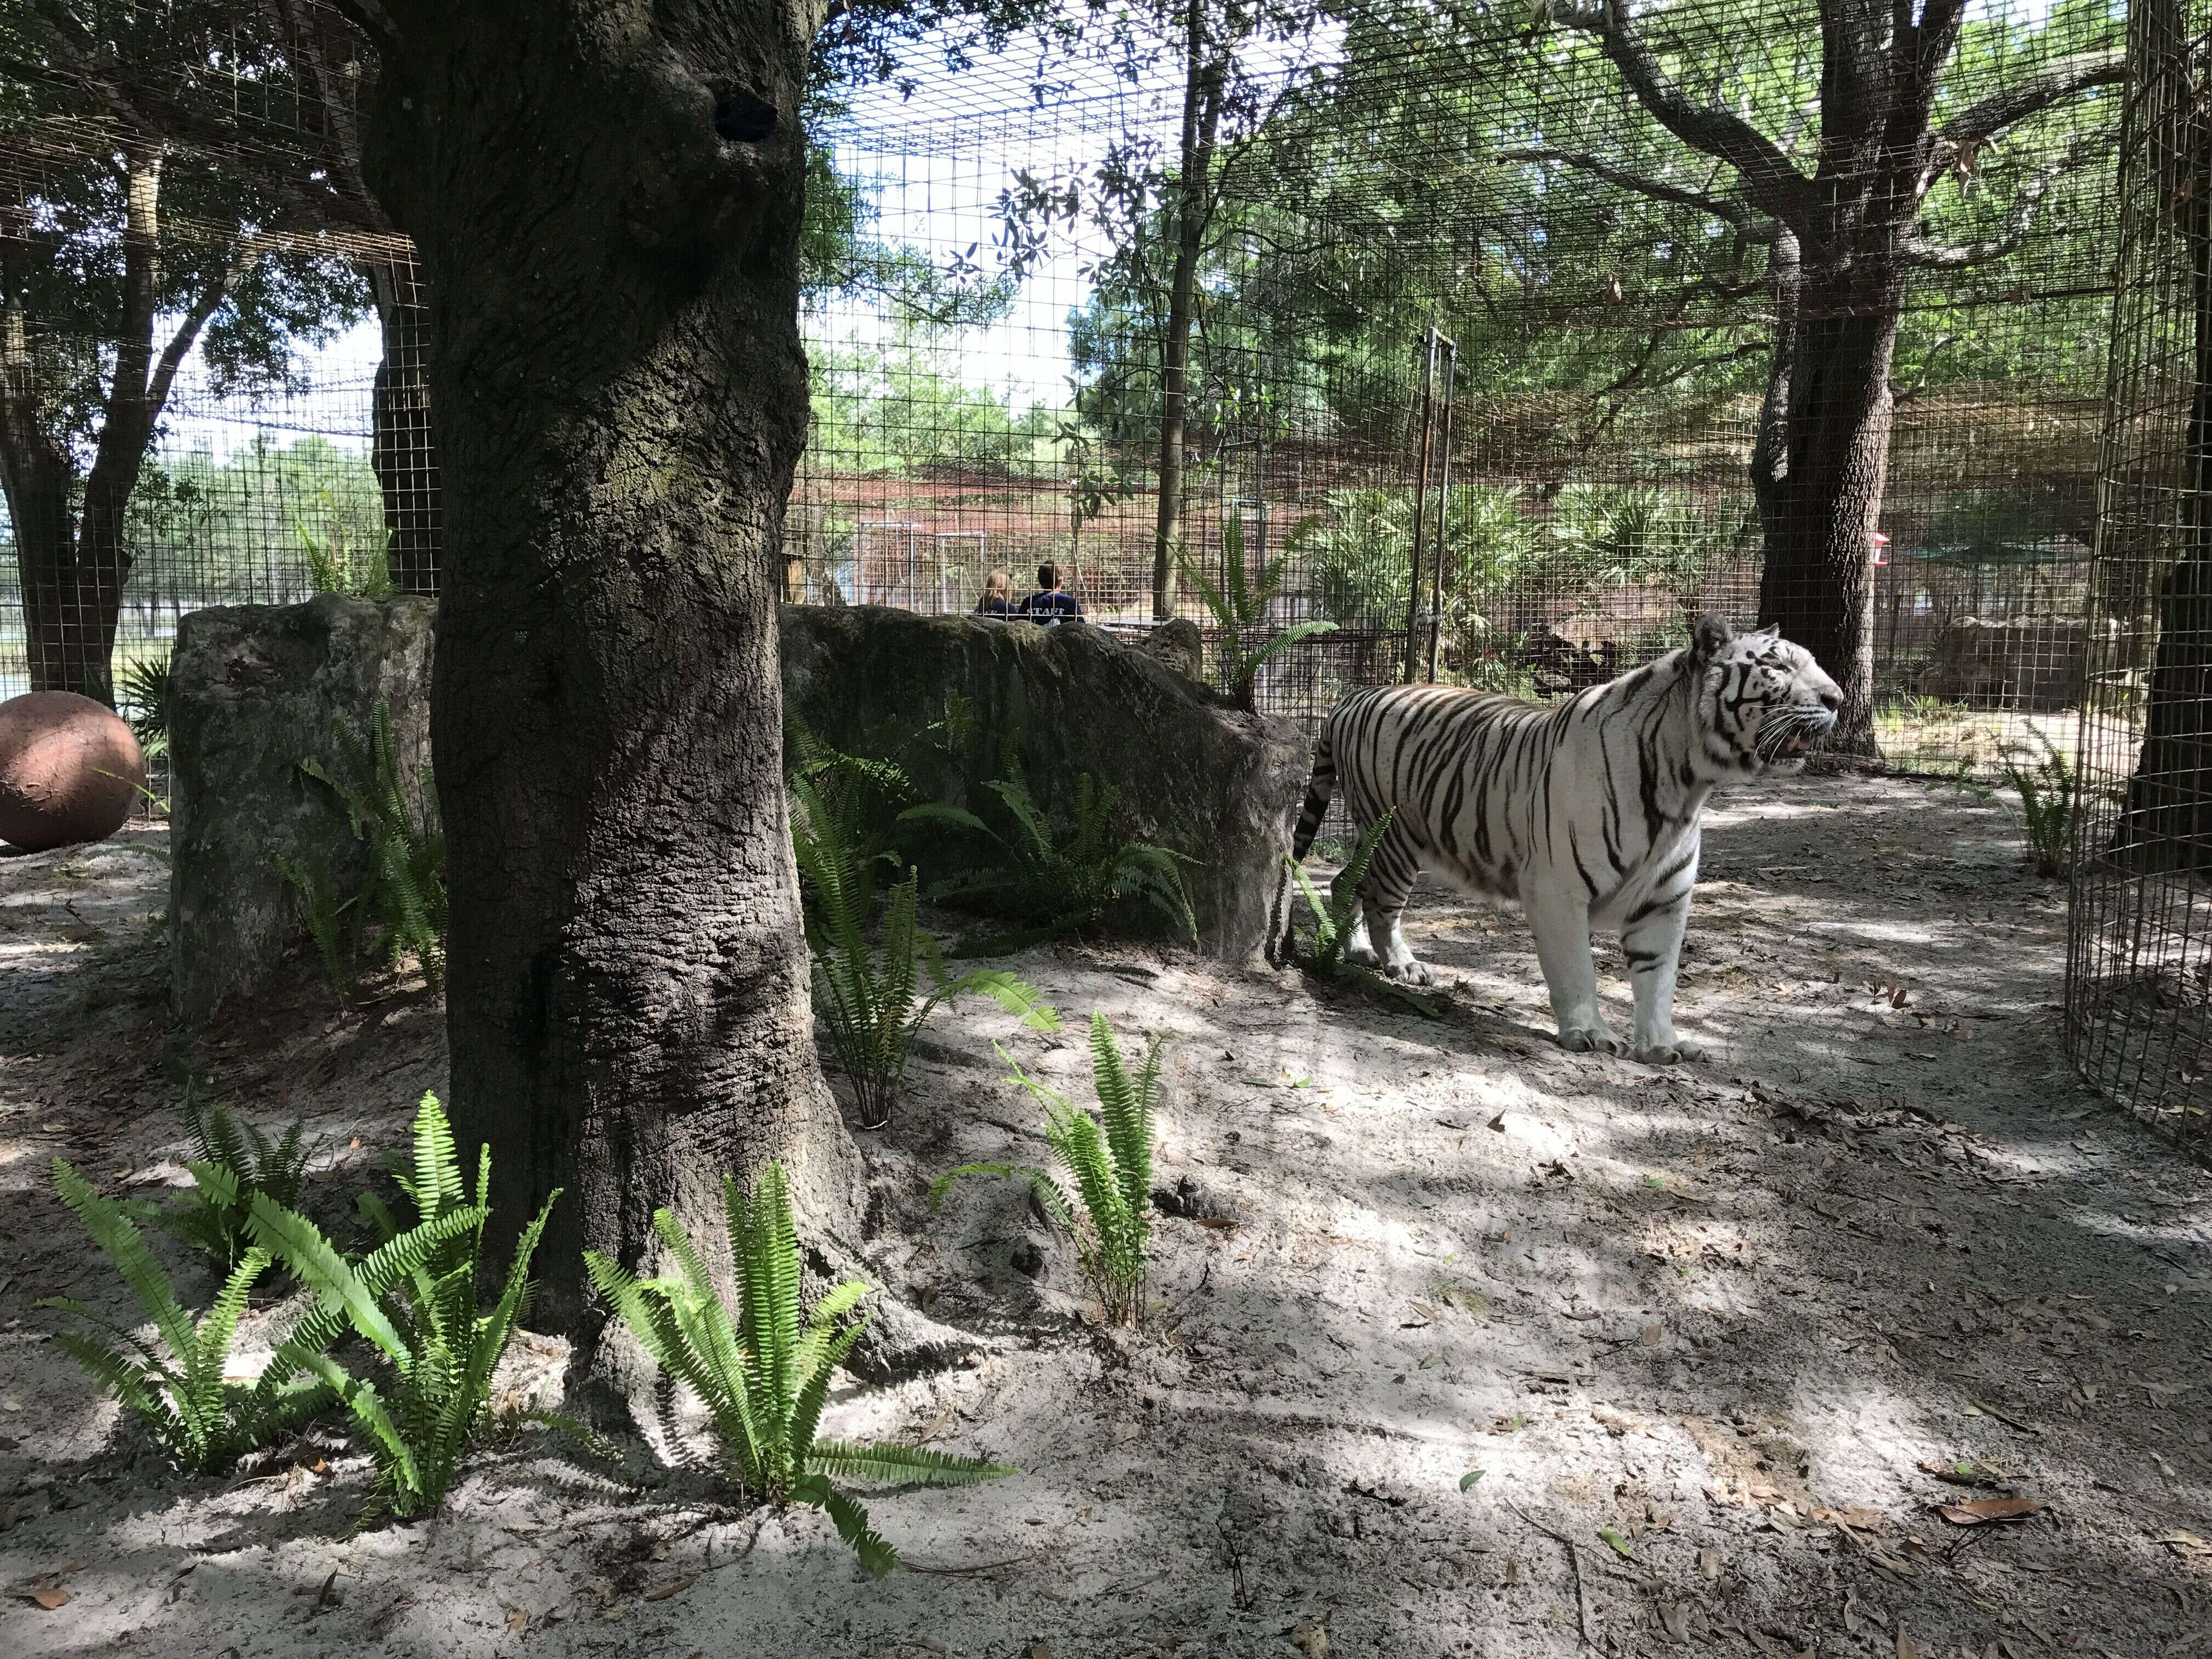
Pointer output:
x,y
912,1466
851,1520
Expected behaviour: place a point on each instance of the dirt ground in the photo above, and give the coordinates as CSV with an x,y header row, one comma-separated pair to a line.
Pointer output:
x,y
1485,1348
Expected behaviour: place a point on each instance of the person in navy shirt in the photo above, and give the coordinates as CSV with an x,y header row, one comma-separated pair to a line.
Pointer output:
x,y
1048,604
997,598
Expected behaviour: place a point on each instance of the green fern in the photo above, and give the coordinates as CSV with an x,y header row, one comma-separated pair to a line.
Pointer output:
x,y
1332,921
1109,1162
335,567
414,1300
324,914
402,901
1240,612
232,1161
177,1383
869,993
1059,886
2049,791
762,1376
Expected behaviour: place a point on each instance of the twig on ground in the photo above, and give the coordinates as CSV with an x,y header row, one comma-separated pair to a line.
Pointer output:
x,y
1574,1560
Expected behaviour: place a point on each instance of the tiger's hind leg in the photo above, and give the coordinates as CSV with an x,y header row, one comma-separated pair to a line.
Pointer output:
x,y
1560,920
1377,940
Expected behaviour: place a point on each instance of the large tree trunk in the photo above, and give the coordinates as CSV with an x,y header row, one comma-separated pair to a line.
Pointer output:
x,y
1204,80
2167,823
401,447
1821,510
608,204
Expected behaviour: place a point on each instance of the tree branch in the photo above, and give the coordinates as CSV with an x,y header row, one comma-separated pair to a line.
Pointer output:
x,y
1979,122
173,354
1917,250
1720,207
1768,175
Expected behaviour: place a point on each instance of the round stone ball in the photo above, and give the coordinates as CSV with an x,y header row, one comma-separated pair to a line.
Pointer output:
x,y
70,770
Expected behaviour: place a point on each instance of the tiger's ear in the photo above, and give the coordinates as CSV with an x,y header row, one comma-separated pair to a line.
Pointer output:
x,y
1708,639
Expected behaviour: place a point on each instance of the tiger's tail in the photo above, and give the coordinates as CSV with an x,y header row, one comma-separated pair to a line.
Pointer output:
x,y
1321,788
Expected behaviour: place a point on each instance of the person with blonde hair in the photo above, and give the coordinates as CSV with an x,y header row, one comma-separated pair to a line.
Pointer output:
x,y
997,598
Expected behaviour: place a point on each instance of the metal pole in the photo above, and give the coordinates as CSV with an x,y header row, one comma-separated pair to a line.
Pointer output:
x,y
1443,508
1420,507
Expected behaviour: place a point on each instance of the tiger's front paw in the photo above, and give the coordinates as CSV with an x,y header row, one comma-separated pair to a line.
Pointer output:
x,y
1585,1039
1668,1053
1667,1050
1411,971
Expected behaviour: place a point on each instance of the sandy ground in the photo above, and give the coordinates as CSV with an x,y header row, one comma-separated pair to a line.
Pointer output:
x,y
1719,1340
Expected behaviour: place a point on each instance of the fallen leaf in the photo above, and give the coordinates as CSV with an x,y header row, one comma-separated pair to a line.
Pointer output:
x,y
1709,1563
1036,1650
1311,1638
51,1597
1906,1647
1498,1123
676,1588
1988,1509
2185,1543
1674,1621
517,1620
1652,1334
1469,1478
1620,1544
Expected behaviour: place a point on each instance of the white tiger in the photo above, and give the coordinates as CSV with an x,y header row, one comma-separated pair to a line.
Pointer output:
x,y
1586,810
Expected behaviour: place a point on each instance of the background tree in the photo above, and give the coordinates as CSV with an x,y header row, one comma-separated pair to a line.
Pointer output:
x,y
264,93
1844,241
116,262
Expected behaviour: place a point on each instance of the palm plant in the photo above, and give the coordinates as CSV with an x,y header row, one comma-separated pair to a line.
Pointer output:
x,y
143,688
1240,608
413,1299
1108,1163
1059,886
179,1384
233,1160
762,1376
1333,919
869,993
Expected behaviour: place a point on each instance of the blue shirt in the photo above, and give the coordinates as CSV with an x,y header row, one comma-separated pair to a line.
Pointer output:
x,y
1058,605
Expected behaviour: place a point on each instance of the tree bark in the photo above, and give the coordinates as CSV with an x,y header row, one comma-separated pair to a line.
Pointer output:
x,y
403,446
1205,78
2166,823
1820,506
607,200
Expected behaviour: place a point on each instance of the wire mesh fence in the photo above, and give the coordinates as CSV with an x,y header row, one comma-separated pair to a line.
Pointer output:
x,y
1155,304
2139,982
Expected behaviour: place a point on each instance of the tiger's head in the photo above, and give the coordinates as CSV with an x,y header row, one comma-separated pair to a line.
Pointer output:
x,y
1765,705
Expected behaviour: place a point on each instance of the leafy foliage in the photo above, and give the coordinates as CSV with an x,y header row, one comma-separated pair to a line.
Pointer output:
x,y
869,993
414,1300
1108,1163
335,564
1240,606
763,1375
233,1160
142,694
1059,884
178,1384
401,904
2049,791
1332,921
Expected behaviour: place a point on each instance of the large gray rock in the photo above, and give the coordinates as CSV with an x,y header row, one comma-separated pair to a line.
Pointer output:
x,y
253,691
1194,774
